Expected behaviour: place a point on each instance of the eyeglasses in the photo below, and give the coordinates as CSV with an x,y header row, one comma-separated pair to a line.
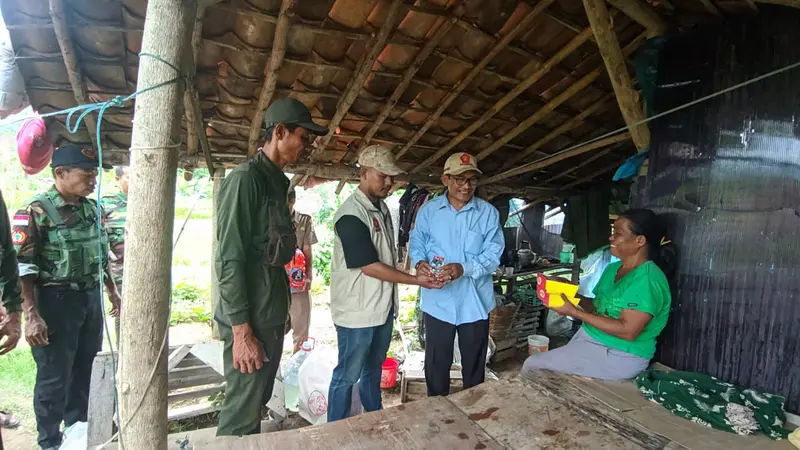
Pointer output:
x,y
460,181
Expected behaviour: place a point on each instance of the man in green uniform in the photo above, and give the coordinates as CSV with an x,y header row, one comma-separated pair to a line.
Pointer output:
x,y
62,247
115,207
256,241
10,329
10,293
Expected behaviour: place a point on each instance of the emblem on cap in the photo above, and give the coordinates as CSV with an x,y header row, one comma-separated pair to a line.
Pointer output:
x,y
91,154
465,159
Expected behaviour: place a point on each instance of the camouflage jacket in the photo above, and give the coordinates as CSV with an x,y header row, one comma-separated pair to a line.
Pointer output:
x,y
63,250
115,208
9,274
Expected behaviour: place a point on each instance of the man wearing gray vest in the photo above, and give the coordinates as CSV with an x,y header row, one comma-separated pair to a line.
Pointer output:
x,y
364,284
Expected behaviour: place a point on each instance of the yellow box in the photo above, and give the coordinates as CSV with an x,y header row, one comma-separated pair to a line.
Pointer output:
x,y
549,292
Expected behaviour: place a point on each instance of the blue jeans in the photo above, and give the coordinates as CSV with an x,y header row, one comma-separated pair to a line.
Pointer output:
x,y
362,352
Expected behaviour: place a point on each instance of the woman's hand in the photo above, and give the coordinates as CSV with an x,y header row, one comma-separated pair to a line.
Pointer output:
x,y
567,309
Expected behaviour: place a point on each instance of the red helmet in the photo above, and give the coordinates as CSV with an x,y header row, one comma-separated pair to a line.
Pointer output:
x,y
34,146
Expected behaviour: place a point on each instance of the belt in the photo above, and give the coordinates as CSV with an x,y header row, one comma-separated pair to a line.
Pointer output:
x,y
87,286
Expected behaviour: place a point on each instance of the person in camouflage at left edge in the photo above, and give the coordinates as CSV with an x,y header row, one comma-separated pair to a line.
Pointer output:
x,y
115,208
61,252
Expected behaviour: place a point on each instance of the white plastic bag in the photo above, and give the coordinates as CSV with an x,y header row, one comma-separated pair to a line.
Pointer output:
x,y
76,437
315,379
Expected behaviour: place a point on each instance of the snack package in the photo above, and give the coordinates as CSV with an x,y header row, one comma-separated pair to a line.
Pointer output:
x,y
549,291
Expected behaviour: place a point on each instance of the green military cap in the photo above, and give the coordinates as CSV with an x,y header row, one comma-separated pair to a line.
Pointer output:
x,y
290,111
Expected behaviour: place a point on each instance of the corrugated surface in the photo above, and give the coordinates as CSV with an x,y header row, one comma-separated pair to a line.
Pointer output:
x,y
238,35
736,159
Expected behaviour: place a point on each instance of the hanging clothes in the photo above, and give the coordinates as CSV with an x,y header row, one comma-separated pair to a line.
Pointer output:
x,y
586,223
710,402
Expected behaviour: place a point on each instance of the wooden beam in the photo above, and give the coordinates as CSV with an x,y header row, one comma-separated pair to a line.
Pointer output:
x,y
583,163
594,174
142,397
789,3
218,175
74,73
476,70
272,69
544,162
408,76
545,110
558,131
363,69
642,13
342,182
614,59
195,128
523,86
710,7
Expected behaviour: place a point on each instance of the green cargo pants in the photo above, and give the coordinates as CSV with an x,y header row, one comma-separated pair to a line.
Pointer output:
x,y
245,392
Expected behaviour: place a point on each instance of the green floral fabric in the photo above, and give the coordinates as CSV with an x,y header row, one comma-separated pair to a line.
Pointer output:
x,y
710,402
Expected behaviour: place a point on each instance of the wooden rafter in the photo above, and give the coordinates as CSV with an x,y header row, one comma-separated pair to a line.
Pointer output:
x,y
710,7
272,69
570,124
476,70
545,110
582,164
74,73
594,174
523,86
195,129
408,75
614,60
545,162
363,69
642,13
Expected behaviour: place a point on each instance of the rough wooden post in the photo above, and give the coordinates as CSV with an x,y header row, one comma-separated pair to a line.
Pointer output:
x,y
614,59
218,175
154,161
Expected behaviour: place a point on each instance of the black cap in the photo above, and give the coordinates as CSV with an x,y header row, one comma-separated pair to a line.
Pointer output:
x,y
290,111
72,155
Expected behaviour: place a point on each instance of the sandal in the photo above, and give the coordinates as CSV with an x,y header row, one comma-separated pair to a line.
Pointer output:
x,y
8,420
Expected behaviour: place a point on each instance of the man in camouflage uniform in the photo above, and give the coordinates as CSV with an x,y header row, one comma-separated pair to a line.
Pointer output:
x,y
115,207
62,248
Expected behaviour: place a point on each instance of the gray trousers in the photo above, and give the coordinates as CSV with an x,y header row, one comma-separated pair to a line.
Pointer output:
x,y
586,357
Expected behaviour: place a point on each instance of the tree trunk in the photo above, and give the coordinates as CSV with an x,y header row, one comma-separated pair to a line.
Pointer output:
x,y
151,210
218,175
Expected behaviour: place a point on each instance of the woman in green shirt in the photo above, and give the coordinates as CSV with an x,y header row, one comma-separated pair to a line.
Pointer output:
x,y
629,311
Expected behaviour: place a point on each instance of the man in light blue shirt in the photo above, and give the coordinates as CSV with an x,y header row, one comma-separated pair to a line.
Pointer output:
x,y
458,238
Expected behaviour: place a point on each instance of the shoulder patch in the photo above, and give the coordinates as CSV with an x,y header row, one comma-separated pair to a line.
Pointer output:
x,y
18,237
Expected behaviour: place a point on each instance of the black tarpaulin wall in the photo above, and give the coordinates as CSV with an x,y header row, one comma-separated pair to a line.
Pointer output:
x,y
726,174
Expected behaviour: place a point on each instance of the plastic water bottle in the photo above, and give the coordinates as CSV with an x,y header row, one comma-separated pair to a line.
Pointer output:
x,y
291,379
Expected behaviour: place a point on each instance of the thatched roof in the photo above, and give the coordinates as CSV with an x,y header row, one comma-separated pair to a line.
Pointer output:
x,y
393,72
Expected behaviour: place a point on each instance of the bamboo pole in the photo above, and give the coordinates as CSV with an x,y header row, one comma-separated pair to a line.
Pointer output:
x,y
544,162
363,70
272,70
195,130
545,110
148,251
74,73
642,13
408,76
594,174
476,70
523,86
614,59
558,131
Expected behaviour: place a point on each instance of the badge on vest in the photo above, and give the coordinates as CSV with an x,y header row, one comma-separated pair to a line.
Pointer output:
x,y
18,237
376,225
20,220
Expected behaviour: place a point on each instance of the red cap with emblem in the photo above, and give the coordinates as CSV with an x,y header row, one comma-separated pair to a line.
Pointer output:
x,y
34,146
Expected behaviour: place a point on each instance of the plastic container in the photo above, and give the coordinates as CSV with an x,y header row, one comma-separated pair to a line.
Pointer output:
x,y
296,270
389,373
291,380
538,344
